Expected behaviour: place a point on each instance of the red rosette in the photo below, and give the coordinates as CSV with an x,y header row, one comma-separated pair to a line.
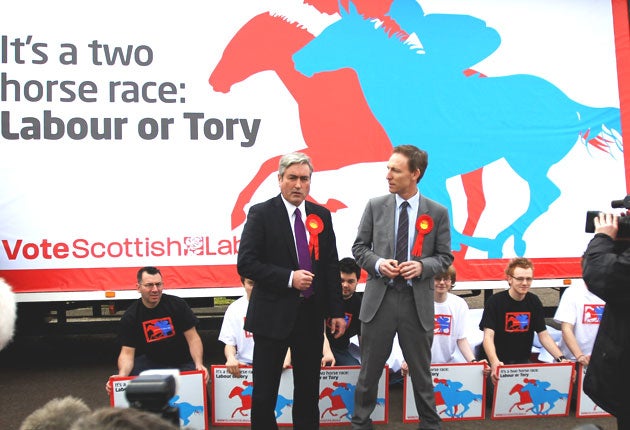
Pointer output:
x,y
424,225
315,226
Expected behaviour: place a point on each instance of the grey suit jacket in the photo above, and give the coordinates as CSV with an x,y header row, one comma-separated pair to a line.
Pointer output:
x,y
376,239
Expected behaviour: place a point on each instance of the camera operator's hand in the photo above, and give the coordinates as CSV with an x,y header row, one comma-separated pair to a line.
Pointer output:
x,y
607,224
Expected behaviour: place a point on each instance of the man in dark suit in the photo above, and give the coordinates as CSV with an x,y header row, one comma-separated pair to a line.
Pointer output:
x,y
296,287
403,241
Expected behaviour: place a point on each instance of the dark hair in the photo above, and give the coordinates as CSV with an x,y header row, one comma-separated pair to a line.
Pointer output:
x,y
349,265
417,158
149,270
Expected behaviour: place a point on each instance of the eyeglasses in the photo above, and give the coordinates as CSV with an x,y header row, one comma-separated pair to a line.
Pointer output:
x,y
522,279
150,285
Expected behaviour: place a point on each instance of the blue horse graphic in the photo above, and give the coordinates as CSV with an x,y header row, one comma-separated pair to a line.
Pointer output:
x,y
453,396
282,403
422,96
540,395
186,410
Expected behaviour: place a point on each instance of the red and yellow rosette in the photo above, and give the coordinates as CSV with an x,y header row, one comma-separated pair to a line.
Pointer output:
x,y
315,226
424,225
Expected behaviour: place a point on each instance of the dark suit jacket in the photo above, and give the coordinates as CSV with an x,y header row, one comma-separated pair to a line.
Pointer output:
x,y
376,239
267,255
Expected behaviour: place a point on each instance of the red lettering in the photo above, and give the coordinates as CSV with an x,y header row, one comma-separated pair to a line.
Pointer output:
x,y
30,251
12,253
60,250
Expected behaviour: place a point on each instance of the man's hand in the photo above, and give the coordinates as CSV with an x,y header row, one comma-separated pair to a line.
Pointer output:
x,y
328,359
607,224
302,279
206,374
233,367
404,369
337,327
108,385
389,268
494,371
410,269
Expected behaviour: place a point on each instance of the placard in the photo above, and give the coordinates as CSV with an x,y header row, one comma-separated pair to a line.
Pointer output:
x,y
459,393
232,396
586,407
190,398
532,391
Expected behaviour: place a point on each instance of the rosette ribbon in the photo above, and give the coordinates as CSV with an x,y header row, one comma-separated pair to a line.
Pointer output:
x,y
424,225
315,226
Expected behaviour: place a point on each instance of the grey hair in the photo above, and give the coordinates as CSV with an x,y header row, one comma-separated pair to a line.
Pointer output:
x,y
294,158
57,414
123,419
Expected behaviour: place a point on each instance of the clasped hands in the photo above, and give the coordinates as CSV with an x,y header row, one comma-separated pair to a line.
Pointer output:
x,y
390,268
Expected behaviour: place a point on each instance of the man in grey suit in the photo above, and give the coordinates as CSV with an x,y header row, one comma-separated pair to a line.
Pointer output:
x,y
402,242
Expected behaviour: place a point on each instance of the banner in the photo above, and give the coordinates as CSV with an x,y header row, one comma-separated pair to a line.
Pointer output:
x,y
146,142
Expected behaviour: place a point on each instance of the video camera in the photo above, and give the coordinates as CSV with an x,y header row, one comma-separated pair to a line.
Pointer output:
x,y
624,220
152,393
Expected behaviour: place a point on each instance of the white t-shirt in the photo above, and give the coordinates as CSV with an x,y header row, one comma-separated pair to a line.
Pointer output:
x,y
232,332
583,309
449,326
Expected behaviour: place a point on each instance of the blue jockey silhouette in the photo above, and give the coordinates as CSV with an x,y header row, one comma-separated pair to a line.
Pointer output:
x,y
465,121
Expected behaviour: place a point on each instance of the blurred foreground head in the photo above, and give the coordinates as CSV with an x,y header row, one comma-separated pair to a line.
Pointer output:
x,y
57,414
122,419
7,313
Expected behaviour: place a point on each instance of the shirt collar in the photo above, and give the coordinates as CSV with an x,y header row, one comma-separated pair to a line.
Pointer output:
x,y
413,201
291,208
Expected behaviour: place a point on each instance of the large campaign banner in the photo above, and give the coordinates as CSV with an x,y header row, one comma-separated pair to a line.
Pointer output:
x,y
140,133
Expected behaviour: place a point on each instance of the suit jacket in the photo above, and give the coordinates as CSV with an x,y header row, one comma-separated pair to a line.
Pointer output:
x,y
267,255
376,239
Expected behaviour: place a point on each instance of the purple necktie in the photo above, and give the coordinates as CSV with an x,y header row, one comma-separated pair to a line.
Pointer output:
x,y
304,255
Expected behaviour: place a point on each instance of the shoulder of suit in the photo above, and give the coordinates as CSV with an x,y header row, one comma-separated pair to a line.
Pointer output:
x,y
314,207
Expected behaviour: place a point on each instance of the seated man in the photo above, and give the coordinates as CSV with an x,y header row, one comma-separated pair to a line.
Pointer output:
x,y
579,314
510,319
158,331
239,343
350,272
451,315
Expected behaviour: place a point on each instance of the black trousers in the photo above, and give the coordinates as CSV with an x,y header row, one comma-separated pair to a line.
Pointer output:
x,y
306,342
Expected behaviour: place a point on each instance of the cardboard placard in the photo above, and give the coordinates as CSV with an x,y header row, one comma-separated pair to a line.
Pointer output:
x,y
459,393
232,401
532,391
190,398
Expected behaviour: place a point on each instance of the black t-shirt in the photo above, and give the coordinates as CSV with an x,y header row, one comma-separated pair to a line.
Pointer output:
x,y
351,308
514,323
159,332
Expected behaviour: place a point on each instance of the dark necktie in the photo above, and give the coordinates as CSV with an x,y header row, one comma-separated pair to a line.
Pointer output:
x,y
304,255
402,242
